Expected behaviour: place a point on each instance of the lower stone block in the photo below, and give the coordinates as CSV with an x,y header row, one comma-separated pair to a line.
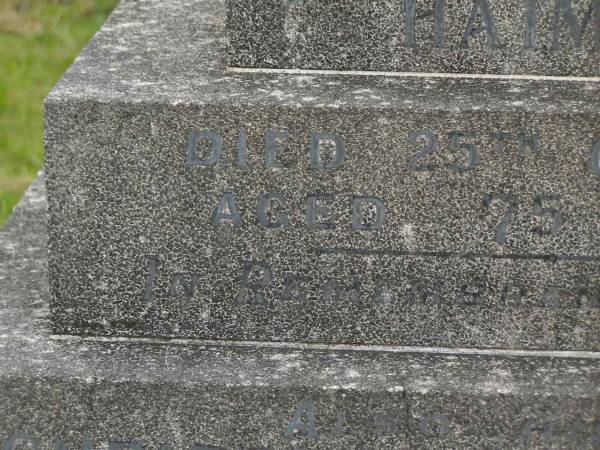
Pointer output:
x,y
59,392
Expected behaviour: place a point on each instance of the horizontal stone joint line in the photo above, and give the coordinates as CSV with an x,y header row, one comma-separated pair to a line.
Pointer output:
x,y
457,255
249,70
459,351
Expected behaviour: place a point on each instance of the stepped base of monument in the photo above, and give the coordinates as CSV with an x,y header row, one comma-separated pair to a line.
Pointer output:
x,y
72,392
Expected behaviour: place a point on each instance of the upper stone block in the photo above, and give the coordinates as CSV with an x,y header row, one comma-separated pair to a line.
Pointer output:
x,y
550,37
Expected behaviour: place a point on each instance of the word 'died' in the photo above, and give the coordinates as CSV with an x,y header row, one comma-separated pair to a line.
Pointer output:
x,y
482,19
459,151
368,213
326,150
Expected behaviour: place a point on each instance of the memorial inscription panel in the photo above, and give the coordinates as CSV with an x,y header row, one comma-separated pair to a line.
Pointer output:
x,y
472,229
332,208
555,37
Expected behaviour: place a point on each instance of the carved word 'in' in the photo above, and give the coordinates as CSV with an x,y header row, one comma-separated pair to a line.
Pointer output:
x,y
327,151
368,213
564,17
181,284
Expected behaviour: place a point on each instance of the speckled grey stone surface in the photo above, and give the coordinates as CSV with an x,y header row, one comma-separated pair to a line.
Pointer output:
x,y
556,37
135,249
98,393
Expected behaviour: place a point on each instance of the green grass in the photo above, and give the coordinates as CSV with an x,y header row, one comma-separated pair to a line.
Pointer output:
x,y
38,41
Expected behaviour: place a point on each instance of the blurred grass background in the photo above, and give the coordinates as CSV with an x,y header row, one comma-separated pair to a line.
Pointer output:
x,y
38,41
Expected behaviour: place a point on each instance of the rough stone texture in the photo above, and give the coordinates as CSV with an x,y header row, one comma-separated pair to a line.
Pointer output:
x,y
177,394
125,208
374,35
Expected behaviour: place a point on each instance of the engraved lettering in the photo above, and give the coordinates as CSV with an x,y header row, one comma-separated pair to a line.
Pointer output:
x,y
150,279
383,294
563,12
385,425
216,148
410,15
512,296
274,147
427,294
531,27
551,298
440,23
331,290
595,161
501,138
12,441
242,150
118,445
340,422
530,429
435,425
303,422
227,211
501,229
456,142
262,212
540,211
528,144
574,437
334,291
481,9
368,213
327,140
596,436
317,216
589,298
472,293
183,285
293,290
294,3
61,445
429,148
256,276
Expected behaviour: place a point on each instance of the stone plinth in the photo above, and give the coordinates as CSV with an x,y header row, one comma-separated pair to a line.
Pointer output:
x,y
71,392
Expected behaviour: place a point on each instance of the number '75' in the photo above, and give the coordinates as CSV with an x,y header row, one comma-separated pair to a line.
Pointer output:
x,y
539,210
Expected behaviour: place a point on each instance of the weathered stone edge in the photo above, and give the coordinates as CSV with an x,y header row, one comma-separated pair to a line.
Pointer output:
x,y
159,60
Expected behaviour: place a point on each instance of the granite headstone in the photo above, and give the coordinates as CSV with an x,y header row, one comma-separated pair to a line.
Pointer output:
x,y
189,201
187,207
